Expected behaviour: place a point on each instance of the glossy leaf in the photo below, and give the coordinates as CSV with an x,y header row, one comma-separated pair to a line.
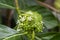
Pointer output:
x,y
7,4
0,19
49,20
46,36
6,31
16,37
56,37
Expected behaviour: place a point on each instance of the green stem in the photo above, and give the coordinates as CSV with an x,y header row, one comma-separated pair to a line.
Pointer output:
x,y
33,35
17,6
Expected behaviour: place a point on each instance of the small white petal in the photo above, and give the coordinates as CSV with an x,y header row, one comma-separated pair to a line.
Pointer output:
x,y
30,18
22,19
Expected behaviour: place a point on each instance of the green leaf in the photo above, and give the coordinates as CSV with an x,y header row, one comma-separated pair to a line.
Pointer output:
x,y
46,36
56,37
26,3
6,31
37,38
48,18
0,18
16,37
11,5
7,4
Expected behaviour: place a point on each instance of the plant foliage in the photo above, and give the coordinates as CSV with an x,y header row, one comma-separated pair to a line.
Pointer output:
x,y
30,22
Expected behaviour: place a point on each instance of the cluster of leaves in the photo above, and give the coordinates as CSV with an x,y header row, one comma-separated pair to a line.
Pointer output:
x,y
49,21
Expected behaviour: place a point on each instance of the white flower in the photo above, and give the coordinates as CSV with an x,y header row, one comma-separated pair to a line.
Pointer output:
x,y
30,18
22,19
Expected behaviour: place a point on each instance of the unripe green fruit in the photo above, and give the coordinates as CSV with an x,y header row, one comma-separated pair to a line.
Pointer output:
x,y
57,4
30,21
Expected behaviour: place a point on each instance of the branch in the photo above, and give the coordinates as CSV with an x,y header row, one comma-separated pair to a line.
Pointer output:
x,y
46,5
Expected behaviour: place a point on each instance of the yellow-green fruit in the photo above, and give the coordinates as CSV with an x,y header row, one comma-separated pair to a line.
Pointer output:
x,y
57,4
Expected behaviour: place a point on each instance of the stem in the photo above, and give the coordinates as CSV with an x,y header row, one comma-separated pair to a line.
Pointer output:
x,y
17,6
33,35
48,6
